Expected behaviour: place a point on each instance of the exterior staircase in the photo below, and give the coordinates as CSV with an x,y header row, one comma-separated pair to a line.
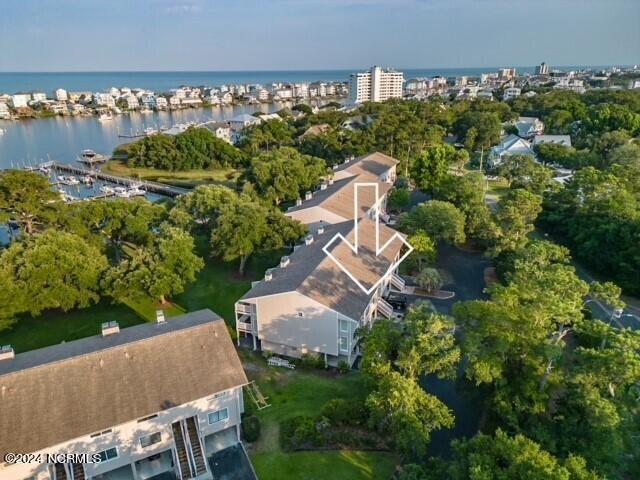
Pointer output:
x,y
384,308
196,446
398,282
77,471
181,451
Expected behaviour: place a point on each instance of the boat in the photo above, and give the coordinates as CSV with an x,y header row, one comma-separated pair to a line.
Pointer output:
x,y
87,180
88,153
107,190
146,110
44,169
3,131
104,117
150,131
71,180
121,192
136,191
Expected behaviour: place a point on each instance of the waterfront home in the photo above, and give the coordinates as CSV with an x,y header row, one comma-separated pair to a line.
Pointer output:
x,y
226,98
59,108
265,117
564,140
511,145
60,95
528,127
511,93
243,121
19,100
191,101
174,101
334,201
262,94
84,97
157,400
131,101
4,111
104,100
222,130
161,103
148,101
309,305
77,108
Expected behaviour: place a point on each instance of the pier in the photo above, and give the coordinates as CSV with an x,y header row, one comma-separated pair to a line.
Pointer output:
x,y
153,187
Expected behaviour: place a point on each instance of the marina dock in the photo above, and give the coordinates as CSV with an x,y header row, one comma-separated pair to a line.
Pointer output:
x,y
153,187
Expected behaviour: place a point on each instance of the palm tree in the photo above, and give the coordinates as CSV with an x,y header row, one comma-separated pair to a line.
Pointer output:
x,y
430,279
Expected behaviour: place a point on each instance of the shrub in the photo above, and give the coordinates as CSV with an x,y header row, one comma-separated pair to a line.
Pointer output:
x,y
344,412
343,367
251,428
299,431
312,360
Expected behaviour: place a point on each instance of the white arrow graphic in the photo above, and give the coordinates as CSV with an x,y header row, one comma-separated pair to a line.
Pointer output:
x,y
354,246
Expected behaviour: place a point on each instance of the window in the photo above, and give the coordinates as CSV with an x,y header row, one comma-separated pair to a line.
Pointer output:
x,y
344,344
215,417
300,314
344,325
149,440
108,454
144,419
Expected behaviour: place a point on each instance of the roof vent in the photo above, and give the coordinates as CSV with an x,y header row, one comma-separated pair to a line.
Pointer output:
x,y
320,229
268,275
298,202
346,160
308,196
323,186
335,167
160,316
284,261
110,328
308,240
7,353
331,181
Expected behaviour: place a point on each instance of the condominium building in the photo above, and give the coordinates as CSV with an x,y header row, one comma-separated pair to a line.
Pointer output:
x,y
542,69
61,95
376,85
157,400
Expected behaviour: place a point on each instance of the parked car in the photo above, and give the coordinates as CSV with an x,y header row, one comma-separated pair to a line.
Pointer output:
x,y
397,300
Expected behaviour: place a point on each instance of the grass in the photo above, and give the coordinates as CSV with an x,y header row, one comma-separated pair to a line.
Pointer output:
x,y
340,465
188,178
497,188
302,392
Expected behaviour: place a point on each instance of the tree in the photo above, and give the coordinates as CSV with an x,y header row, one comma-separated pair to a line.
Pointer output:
x,y
27,198
501,456
399,199
202,206
285,174
515,215
480,129
556,154
431,167
52,269
522,171
442,221
156,271
465,191
246,227
267,135
424,249
430,279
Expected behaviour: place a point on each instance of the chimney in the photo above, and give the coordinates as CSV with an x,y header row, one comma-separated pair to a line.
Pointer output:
x,y
7,353
308,240
268,275
320,229
160,316
110,328
323,186
331,181
346,160
284,261
335,167
308,196
298,202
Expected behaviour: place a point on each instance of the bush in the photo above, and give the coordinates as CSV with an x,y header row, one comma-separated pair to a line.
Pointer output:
x,y
344,412
343,367
251,428
312,360
299,431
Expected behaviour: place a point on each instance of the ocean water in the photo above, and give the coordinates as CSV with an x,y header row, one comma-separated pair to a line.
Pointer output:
x,y
12,82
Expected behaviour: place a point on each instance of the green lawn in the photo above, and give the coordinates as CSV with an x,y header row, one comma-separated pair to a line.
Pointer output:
x,y
302,392
189,178
329,465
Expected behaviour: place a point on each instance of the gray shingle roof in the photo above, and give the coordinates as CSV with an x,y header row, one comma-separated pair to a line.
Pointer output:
x,y
65,391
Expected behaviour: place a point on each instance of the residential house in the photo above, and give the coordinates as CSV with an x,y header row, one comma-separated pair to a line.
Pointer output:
x,y
161,103
485,95
148,101
157,400
222,130
316,130
174,101
4,111
564,140
356,122
80,97
226,98
309,305
104,100
38,97
131,101
242,121
262,94
59,108
265,117
191,101
528,127
511,145
19,100
60,95
511,93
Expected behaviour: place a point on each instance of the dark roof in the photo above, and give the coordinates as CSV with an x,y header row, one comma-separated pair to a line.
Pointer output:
x,y
313,274
55,394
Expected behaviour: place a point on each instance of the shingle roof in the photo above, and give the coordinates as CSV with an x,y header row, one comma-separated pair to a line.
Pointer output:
x,y
312,273
338,198
66,391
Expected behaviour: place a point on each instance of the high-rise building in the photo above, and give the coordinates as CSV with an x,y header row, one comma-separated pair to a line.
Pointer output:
x,y
542,69
376,85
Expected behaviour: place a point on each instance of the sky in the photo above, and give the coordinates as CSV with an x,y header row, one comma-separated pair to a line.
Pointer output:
x,y
124,35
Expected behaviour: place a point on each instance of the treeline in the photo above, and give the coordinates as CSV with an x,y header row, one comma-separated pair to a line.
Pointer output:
x,y
71,255
193,149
